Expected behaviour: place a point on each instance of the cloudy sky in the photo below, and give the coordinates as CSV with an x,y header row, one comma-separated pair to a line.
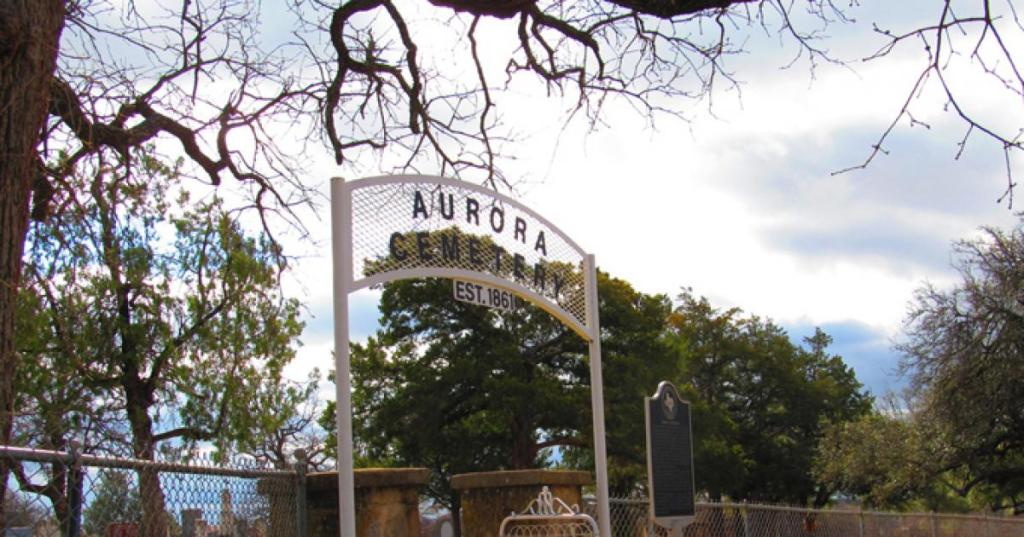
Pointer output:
x,y
741,204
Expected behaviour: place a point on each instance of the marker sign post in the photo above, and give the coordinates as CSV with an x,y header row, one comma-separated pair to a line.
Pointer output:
x,y
669,458
494,248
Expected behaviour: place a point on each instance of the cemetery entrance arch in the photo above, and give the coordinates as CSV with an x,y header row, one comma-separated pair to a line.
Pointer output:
x,y
415,226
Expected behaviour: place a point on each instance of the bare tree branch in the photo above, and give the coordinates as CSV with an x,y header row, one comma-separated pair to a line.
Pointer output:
x,y
940,48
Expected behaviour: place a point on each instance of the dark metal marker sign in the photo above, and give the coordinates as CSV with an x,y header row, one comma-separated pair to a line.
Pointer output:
x,y
669,457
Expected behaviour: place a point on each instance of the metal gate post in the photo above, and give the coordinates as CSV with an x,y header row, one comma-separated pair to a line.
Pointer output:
x,y
301,508
604,514
341,253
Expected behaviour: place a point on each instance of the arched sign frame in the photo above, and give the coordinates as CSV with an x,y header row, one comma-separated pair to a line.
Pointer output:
x,y
345,282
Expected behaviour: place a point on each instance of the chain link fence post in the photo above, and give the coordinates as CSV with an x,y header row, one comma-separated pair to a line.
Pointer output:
x,y
301,509
860,521
74,485
935,525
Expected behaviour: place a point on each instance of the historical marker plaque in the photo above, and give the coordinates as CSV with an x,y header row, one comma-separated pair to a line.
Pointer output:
x,y
669,457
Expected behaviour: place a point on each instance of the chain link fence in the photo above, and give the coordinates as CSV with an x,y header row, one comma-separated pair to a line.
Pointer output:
x,y
65,494
630,519
62,494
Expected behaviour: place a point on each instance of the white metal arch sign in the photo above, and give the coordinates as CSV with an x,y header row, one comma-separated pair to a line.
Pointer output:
x,y
414,226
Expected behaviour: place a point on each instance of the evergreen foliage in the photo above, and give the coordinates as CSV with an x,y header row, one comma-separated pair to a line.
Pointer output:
x,y
460,388
116,500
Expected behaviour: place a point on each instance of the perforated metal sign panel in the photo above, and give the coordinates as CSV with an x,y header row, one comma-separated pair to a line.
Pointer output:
x,y
422,226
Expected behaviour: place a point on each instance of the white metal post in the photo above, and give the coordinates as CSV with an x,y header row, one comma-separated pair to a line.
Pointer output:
x,y
341,244
597,396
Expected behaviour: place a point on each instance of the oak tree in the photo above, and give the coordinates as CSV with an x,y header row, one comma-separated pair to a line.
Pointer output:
x,y
891,459
761,402
964,353
159,314
460,388
954,441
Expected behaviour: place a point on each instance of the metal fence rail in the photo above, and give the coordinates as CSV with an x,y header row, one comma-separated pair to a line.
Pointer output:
x,y
53,493
629,518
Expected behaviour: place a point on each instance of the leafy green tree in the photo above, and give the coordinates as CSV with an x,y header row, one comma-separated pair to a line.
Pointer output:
x,y
636,356
761,402
459,388
116,500
161,307
292,411
964,352
56,405
889,459
863,457
956,445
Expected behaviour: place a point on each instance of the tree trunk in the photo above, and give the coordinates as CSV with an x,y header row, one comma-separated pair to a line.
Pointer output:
x,y
524,445
29,41
58,491
456,515
154,512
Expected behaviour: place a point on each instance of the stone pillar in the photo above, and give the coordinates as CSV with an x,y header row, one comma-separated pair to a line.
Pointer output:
x,y
387,502
489,497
